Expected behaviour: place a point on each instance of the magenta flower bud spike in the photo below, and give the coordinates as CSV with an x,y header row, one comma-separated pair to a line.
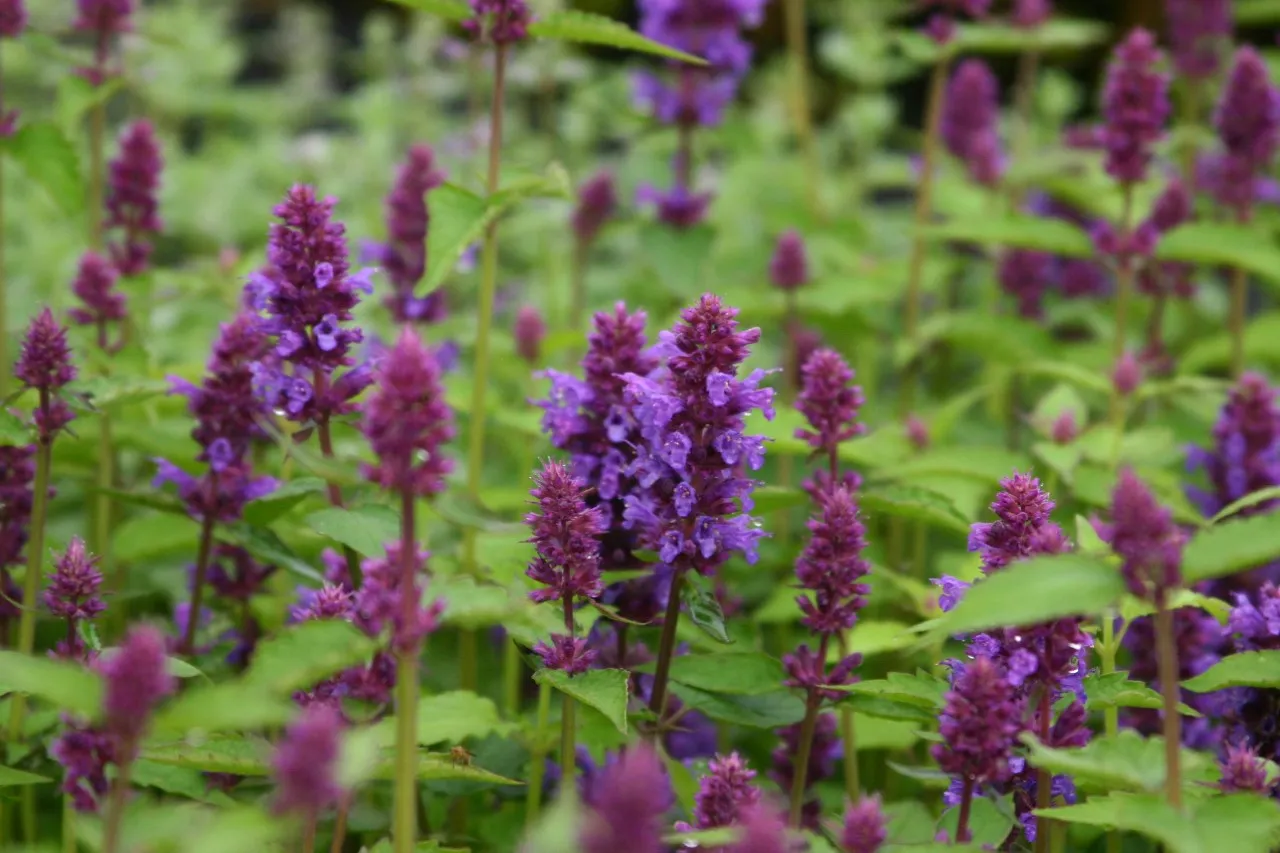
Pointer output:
x,y
529,330
725,792
1199,34
13,18
789,266
305,763
597,204
864,828
969,124
1248,123
628,806
1135,106
133,183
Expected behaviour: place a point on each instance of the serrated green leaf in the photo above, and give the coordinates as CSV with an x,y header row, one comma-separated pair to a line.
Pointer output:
x,y
63,684
108,392
1017,232
267,509
1124,761
1035,590
223,754
264,544
606,690
915,504
588,28
704,608
921,689
450,10
1222,244
450,718
1231,547
11,777
50,160
301,655
366,530
1249,821
735,673
1115,690
1245,669
231,706
765,711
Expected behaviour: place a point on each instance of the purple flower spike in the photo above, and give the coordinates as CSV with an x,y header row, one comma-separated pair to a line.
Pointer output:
x,y
404,258
17,472
597,204
1248,122
1022,511
864,826
789,266
503,21
568,654
103,17
73,589
725,792
979,725
133,181
407,420
832,567
305,763
829,402
95,287
970,114
1126,376
529,330
1136,106
762,830
13,18
1025,274
45,365
1030,14
628,805
137,678
565,536
941,25
1143,535
1243,770
84,752
1199,32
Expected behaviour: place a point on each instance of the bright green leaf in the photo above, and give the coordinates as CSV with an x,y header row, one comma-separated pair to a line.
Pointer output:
x,y
1246,669
914,504
989,824
740,673
1222,244
1115,690
13,430
1017,232
267,509
366,530
704,608
224,754
227,707
1123,761
303,654
1231,547
1249,821
264,544
63,684
11,777
449,718
765,711
450,10
1270,493
588,28
50,160
606,690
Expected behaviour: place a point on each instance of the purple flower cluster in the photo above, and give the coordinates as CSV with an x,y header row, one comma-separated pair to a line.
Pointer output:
x,y
1250,713
72,594
979,725
308,293
529,329
103,20
941,26
1198,32
627,805
725,793
13,18
1198,638
1173,279
566,539
1025,275
101,302
789,266
1245,454
407,420
229,418
17,473
824,752
45,366
1022,527
970,121
691,419
1135,105
236,577
1143,535
597,204
305,763
830,402
864,829
503,21
1030,14
1243,770
1248,123
761,830
404,257
133,181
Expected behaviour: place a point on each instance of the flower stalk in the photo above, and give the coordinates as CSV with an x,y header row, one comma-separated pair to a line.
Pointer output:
x,y
1167,661
405,804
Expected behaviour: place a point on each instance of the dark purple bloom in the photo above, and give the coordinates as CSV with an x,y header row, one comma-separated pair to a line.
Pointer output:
x,y
979,725
1243,770
305,763
529,329
72,592
1126,376
1025,274
137,678
832,566
45,365
565,536
864,826
969,124
1136,106
761,830
566,653
1198,639
133,181
789,266
1143,535
1199,30
917,432
220,494
678,207
84,752
95,287
1245,455
691,419
407,420
103,17
308,293
13,18
1022,511
597,204
725,792
1064,428
503,21
379,603
627,805
1248,123
404,258
826,749
234,574
829,402
17,472
1030,14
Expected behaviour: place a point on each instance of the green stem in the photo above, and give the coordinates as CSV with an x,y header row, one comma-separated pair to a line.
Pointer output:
x,y
340,825
102,512
511,670
851,786
666,648
5,364
923,212
97,144
31,583
1236,320
798,50
1124,288
69,844
1111,715
537,758
568,735
309,835
116,801
405,799
801,771
1167,667
188,646
1190,118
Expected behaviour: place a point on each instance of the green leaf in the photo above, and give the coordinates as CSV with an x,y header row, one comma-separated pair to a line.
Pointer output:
x,y
1016,232
450,10
773,498
1123,761
704,608
1035,590
13,430
606,690
1115,690
180,781
366,530
588,28
735,673
1222,244
49,159
1251,13
11,777
1249,821
1246,669
450,718
227,707
1270,493
558,828
915,504
989,824
265,510
1231,547
107,392
921,689
263,543
76,96
443,767
64,685
704,838
303,654
765,711
222,754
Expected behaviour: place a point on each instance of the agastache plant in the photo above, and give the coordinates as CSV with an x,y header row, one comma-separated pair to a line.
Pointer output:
x,y
72,595
104,21
13,22
597,204
132,203
694,448
970,117
1199,34
403,258
407,423
304,766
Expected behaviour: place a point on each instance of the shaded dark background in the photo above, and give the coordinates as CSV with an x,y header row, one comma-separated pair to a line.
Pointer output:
x,y
348,17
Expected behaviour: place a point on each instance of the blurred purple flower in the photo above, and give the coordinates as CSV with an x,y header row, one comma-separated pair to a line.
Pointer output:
x,y
1136,106
404,258
1248,123
789,266
529,329
501,21
1199,30
45,366
824,752
13,18
627,806
136,678
102,301
305,763
597,204
865,826
1142,533
133,181
970,121
1243,770
1030,14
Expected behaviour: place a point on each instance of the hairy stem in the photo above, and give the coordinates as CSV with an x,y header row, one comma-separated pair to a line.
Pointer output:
x,y
101,538
568,732
116,801
666,648
798,51
923,212
197,588
405,818
31,583
97,157
1236,319
537,757
966,803
1167,667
